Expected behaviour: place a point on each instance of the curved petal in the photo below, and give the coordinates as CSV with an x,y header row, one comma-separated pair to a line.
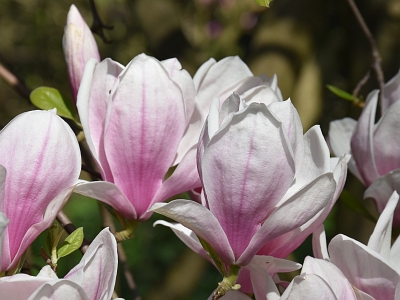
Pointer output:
x,y
228,72
364,268
283,245
249,150
309,287
203,223
187,236
362,146
42,158
185,82
202,72
381,190
97,82
387,157
292,214
79,46
391,92
331,275
108,193
33,232
340,133
184,178
319,245
20,286
59,290
288,115
145,125
381,238
315,161
97,271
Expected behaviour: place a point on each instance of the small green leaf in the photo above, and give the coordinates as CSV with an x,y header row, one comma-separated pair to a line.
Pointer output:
x,y
342,94
71,243
263,2
355,205
48,98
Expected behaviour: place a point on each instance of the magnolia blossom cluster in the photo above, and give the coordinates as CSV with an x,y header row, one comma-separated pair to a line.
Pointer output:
x,y
260,185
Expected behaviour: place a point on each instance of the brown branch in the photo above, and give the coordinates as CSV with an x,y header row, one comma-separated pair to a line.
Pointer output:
x,y
376,58
98,25
15,82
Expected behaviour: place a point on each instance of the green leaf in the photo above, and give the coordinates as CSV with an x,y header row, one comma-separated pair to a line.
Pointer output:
x,y
263,2
355,205
342,94
71,243
48,98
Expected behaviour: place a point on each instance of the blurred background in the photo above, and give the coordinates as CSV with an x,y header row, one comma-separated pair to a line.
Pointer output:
x,y
307,43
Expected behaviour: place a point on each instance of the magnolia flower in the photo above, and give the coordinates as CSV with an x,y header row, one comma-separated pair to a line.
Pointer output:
x,y
375,148
39,166
134,118
79,46
221,79
373,270
261,178
92,279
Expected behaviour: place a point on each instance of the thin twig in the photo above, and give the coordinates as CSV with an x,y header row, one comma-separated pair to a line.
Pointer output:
x,y
15,82
98,25
376,58
66,223
360,84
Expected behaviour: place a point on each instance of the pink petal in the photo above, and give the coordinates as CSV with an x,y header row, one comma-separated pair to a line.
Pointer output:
x,y
381,190
203,223
381,238
59,290
185,235
221,78
184,178
295,212
363,267
319,244
362,140
288,115
108,193
79,46
42,158
145,125
309,287
331,275
249,150
387,157
20,286
391,92
97,270
340,133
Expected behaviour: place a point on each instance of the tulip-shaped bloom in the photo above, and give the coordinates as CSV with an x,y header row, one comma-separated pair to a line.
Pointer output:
x,y
259,182
79,46
39,166
375,148
373,270
92,279
134,118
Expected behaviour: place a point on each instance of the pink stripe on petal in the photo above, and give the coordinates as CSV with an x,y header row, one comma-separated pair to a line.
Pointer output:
x,y
145,126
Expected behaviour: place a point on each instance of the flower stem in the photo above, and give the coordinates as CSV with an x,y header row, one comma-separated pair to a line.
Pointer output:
x,y
228,283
